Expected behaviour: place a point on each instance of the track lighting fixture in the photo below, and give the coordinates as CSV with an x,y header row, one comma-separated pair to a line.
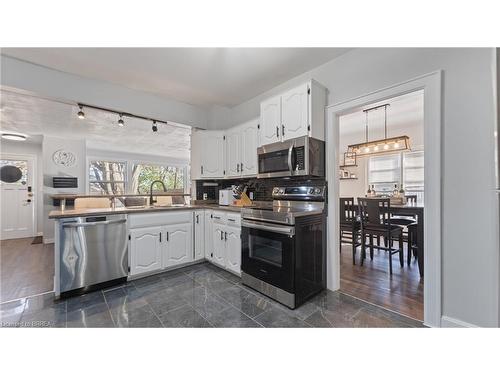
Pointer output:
x,y
154,127
81,114
120,121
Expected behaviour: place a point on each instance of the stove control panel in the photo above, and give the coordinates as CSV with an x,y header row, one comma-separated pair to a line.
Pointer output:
x,y
300,192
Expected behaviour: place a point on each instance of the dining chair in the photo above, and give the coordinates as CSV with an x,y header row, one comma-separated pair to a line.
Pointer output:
x,y
349,225
376,221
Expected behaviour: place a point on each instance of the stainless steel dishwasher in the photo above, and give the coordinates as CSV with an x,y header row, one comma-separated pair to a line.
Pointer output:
x,y
93,253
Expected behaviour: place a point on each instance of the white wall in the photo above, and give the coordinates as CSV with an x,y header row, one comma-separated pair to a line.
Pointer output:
x,y
50,169
469,206
34,149
51,83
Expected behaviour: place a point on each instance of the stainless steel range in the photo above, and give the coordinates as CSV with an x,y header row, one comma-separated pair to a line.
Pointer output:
x,y
284,245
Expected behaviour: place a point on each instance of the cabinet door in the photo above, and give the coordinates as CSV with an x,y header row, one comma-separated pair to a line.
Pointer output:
x,y
145,250
270,121
179,246
249,144
219,245
233,249
294,112
233,152
212,155
208,235
199,235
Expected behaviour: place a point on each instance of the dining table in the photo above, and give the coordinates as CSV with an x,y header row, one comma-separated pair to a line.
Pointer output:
x,y
415,210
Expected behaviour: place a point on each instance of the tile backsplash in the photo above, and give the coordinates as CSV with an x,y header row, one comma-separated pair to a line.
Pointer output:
x,y
262,188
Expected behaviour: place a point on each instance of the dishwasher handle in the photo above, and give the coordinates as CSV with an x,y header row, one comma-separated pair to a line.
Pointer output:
x,y
95,223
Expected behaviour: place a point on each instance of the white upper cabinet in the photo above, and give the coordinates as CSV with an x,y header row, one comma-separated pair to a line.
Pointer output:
x,y
249,144
233,152
270,121
178,247
196,137
212,154
294,112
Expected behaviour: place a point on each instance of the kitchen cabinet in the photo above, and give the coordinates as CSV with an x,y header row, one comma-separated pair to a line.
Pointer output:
x,y
249,144
270,121
233,249
208,235
297,112
196,144
145,250
199,234
226,241
241,149
211,155
233,152
219,245
178,248
294,113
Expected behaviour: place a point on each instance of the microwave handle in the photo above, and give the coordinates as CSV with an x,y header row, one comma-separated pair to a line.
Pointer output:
x,y
290,166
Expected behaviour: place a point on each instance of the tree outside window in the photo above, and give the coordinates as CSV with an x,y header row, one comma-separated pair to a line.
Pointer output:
x,y
107,177
144,174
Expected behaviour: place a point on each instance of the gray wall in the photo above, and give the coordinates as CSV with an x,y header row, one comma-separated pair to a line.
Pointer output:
x,y
470,208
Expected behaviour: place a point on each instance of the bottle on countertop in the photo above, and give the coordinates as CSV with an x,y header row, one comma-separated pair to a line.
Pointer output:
x,y
369,192
395,192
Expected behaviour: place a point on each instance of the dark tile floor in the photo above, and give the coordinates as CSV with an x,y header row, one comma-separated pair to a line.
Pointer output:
x,y
197,296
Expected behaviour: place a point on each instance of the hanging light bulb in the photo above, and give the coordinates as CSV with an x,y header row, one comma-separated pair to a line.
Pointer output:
x,y
120,121
386,146
81,114
367,149
375,148
396,145
154,127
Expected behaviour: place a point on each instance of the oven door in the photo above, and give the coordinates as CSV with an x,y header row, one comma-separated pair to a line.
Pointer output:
x,y
268,253
276,160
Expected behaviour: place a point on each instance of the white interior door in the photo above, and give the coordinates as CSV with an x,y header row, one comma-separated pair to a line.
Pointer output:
x,y
17,201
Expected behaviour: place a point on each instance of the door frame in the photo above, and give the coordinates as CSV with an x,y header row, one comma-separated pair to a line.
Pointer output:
x,y
431,85
36,194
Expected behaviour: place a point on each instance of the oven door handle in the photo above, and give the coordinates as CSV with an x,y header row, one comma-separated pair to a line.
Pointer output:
x,y
268,227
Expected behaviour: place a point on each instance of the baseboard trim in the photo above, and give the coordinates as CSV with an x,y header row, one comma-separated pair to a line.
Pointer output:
x,y
448,322
47,241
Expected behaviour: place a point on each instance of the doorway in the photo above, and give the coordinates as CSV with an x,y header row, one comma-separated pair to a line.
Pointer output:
x,y
17,177
391,170
430,84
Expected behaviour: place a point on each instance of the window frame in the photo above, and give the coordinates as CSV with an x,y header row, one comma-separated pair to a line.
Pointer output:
x,y
88,181
402,172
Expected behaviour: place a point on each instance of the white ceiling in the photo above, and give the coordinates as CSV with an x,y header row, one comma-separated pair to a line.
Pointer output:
x,y
199,76
38,117
405,116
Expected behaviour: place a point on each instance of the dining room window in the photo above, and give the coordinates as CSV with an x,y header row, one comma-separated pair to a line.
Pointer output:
x,y
107,177
406,168
143,174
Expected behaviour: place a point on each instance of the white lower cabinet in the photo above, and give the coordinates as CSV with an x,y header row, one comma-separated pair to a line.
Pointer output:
x,y
208,235
199,234
225,240
145,250
233,249
178,246
219,245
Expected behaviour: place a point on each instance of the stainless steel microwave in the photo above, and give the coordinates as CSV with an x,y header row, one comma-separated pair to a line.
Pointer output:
x,y
303,156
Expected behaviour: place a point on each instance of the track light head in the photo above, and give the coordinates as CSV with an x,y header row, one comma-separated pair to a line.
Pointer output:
x,y
81,114
154,127
120,121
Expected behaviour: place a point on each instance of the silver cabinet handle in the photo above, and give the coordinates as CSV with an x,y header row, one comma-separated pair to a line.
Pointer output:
x,y
167,236
201,169
237,167
221,235
233,220
290,166
282,130
277,131
241,167
93,224
225,236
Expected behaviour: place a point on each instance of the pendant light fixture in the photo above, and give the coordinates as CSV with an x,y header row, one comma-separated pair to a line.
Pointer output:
x,y
154,127
120,121
380,146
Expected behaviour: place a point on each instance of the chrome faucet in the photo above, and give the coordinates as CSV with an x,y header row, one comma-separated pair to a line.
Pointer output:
x,y
151,200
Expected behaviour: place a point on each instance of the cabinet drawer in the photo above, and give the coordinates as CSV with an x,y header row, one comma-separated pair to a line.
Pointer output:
x,y
234,220
219,217
159,218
